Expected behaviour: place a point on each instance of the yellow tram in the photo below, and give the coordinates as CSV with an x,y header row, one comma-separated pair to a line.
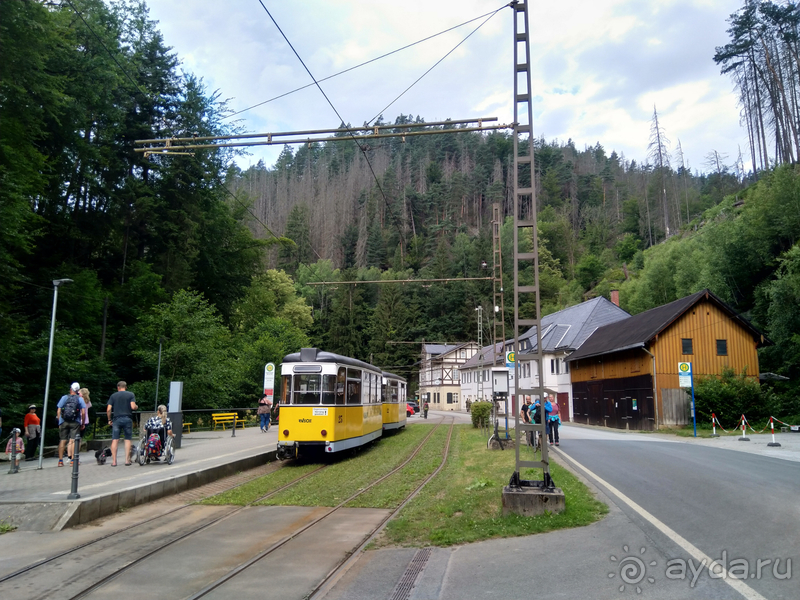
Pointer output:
x,y
331,403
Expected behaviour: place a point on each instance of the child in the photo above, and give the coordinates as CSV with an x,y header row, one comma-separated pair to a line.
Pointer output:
x,y
20,446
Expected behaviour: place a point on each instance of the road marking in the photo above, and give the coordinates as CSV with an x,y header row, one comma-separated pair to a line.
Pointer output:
x,y
741,587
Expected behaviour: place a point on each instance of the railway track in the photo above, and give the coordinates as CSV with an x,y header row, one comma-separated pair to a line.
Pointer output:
x,y
143,541
132,532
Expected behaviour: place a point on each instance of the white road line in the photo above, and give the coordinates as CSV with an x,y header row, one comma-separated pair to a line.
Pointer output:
x,y
744,589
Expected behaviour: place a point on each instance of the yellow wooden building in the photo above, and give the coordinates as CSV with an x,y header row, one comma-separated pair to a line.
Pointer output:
x,y
626,374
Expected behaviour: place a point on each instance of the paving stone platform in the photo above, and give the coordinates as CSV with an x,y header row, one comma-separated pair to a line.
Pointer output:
x,y
36,499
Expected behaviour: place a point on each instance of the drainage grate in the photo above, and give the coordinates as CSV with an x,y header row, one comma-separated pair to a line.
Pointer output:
x,y
402,590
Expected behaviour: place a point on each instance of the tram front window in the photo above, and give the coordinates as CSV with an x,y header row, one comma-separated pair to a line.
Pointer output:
x,y
306,389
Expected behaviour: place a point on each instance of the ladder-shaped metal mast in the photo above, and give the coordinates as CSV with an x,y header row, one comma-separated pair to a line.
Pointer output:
x,y
526,243
498,306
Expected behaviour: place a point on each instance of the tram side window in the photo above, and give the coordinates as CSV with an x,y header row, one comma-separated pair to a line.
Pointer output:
x,y
353,386
286,389
393,392
306,389
328,389
341,381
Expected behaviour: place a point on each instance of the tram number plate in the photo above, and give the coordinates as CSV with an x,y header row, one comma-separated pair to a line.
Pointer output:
x,y
320,412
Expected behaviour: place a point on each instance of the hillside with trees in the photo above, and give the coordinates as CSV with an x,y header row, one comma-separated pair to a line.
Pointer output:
x,y
219,263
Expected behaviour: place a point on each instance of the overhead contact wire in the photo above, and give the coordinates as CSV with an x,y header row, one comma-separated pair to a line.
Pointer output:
x,y
341,120
438,61
363,64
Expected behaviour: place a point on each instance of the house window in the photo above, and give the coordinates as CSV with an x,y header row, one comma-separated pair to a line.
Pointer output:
x,y
554,366
486,375
449,397
462,354
686,345
722,347
566,366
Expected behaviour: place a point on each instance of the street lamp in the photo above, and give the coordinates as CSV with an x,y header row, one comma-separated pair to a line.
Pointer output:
x,y
158,372
56,283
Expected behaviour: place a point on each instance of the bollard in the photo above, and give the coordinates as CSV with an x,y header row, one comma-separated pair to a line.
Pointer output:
x,y
14,468
714,425
76,460
773,443
233,431
744,437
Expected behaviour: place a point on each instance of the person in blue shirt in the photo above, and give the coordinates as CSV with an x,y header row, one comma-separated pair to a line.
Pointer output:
x,y
70,411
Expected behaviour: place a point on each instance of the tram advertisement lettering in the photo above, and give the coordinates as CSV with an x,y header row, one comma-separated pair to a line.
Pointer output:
x,y
304,420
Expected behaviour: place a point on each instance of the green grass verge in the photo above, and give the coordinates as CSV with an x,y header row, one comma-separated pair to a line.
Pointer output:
x,y
344,478
463,503
392,491
252,490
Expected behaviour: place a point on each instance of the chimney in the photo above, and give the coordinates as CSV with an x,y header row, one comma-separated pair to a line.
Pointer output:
x,y
615,297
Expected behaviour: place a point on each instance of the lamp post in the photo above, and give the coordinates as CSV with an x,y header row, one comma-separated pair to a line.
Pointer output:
x,y
158,372
56,283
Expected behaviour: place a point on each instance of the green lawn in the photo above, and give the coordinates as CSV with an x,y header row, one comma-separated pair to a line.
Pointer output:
x,y
463,503
347,476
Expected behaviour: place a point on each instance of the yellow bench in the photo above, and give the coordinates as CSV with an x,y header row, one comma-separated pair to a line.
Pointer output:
x,y
188,426
222,418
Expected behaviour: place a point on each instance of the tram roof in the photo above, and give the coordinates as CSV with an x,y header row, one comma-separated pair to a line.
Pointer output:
x,y
392,375
312,355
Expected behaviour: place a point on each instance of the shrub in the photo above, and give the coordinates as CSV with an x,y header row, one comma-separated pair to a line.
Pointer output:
x,y
480,412
729,396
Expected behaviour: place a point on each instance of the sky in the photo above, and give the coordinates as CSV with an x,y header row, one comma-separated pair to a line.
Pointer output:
x,y
599,67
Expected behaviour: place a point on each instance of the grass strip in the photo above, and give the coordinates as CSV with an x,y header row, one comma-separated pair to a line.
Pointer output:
x,y
252,490
463,503
391,492
346,476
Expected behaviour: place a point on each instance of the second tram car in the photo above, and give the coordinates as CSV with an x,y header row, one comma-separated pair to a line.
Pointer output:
x,y
394,401
330,402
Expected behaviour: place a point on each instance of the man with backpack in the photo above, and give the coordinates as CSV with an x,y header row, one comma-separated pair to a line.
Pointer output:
x,y
71,409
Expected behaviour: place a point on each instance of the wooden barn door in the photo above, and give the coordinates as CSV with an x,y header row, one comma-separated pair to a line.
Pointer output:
x,y
563,406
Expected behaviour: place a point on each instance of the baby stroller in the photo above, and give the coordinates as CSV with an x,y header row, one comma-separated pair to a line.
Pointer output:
x,y
151,448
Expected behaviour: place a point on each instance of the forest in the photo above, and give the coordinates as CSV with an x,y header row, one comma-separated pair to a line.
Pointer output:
x,y
215,266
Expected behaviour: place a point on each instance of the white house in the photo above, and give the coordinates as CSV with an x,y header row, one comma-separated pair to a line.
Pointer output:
x,y
439,374
563,332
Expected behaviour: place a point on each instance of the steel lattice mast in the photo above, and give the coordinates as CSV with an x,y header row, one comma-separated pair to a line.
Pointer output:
x,y
526,283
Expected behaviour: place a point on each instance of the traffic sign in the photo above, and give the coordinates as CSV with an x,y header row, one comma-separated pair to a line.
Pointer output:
x,y
685,374
685,381
511,357
269,379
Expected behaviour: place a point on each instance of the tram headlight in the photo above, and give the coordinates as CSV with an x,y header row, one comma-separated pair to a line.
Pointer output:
x,y
285,433
324,433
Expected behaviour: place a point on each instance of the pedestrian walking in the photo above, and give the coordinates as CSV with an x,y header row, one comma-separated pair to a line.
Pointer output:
x,y
33,429
553,422
20,446
264,410
121,405
525,415
425,407
84,393
70,419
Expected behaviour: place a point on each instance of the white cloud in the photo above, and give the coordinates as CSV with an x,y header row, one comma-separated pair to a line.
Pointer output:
x,y
598,66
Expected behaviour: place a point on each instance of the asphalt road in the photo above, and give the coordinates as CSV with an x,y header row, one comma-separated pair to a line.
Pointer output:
x,y
730,505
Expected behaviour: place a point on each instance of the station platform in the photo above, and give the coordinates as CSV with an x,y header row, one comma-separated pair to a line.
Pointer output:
x,y
36,499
